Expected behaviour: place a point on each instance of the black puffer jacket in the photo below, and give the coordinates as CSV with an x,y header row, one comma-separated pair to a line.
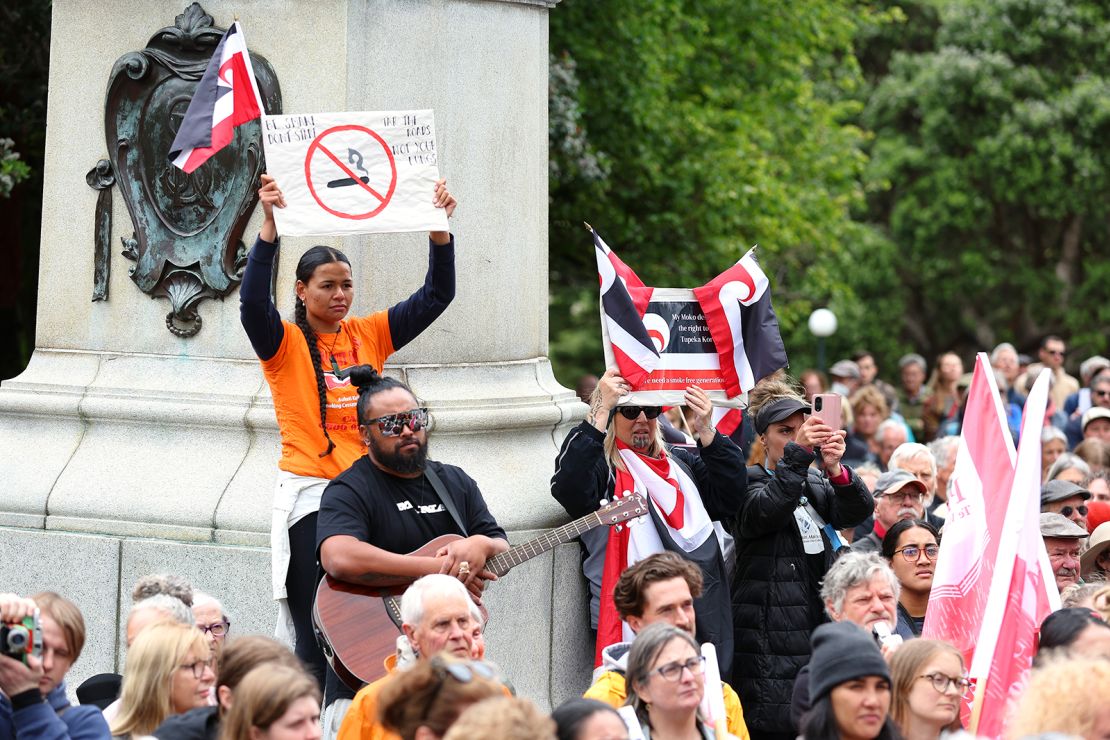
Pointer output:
x,y
776,600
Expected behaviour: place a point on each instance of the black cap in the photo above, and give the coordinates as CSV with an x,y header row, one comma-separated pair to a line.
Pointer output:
x,y
777,411
843,651
100,690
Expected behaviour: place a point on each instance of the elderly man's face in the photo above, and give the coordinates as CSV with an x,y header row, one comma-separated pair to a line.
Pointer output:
x,y
867,603
1007,363
447,625
905,503
1063,554
1097,429
892,438
913,376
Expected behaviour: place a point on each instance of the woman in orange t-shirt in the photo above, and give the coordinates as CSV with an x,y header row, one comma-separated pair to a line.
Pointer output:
x,y
314,401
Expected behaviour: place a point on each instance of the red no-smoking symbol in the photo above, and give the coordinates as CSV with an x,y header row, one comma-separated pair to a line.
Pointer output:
x,y
349,169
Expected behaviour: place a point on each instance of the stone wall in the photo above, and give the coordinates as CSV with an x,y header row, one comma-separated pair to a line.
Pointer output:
x,y
127,450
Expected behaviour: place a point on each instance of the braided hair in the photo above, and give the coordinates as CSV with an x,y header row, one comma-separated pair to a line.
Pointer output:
x,y
306,268
370,383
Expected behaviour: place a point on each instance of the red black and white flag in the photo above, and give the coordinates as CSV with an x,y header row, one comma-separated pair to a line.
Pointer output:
x,y
226,96
742,322
624,300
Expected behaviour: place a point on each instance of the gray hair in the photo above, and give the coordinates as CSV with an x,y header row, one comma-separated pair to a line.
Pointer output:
x,y
943,448
890,424
1004,347
1089,367
1050,433
171,605
649,642
913,359
909,451
853,569
1068,461
436,584
163,583
202,599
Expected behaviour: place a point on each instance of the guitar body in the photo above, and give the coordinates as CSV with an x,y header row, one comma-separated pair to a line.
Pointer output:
x,y
358,625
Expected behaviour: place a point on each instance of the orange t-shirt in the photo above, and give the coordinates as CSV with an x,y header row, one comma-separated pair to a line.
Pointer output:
x,y
362,341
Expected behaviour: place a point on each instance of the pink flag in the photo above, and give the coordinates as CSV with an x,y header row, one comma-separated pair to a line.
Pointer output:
x,y
1022,590
976,510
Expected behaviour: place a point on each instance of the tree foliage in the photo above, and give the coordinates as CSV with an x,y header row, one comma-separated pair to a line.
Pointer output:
x,y
720,124
989,170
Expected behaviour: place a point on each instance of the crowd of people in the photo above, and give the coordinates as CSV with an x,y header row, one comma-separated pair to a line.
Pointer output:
x,y
776,585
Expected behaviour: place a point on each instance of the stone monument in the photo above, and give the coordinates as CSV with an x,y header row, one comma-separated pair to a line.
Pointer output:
x,y
128,449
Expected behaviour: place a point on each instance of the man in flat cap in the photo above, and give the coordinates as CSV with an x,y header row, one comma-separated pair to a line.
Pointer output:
x,y
1067,499
1062,538
898,495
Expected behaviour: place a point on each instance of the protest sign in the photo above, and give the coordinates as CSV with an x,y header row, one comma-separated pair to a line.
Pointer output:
x,y
687,354
355,172
722,336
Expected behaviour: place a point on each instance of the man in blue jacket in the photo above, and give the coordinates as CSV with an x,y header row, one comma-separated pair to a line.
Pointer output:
x,y
33,704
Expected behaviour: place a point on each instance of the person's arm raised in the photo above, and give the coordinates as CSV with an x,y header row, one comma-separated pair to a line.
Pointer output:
x,y
257,313
416,313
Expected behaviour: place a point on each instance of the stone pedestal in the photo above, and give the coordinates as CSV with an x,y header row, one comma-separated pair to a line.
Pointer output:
x,y
128,450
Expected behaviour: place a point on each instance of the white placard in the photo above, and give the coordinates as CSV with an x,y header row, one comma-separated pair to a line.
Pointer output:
x,y
354,172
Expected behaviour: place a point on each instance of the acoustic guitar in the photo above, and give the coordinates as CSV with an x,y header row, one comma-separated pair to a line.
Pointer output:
x,y
357,625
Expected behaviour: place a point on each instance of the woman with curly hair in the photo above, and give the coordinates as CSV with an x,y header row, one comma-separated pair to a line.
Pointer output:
x,y
786,538
422,702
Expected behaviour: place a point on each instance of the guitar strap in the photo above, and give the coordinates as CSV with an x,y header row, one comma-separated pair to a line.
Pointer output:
x,y
444,498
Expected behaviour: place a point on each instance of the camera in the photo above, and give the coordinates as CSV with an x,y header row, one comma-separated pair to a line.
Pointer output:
x,y
21,639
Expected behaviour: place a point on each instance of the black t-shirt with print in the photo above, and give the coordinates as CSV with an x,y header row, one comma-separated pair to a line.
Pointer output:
x,y
400,514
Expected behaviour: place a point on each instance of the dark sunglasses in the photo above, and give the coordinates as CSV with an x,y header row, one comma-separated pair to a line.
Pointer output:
x,y
393,424
1101,394
1067,510
633,412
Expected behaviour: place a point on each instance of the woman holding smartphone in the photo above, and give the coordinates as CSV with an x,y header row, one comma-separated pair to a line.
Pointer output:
x,y
785,541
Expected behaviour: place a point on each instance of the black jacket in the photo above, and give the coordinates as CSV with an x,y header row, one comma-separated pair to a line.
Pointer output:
x,y
776,600
582,478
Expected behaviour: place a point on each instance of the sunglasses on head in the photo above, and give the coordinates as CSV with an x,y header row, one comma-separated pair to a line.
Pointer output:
x,y
394,424
633,412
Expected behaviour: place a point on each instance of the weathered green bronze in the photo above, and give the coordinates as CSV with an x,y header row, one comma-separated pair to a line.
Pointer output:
x,y
101,178
187,244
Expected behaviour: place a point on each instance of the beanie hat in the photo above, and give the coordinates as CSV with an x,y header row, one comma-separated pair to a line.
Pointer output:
x,y
842,651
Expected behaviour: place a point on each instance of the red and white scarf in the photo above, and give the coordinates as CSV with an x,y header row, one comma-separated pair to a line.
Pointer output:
x,y
674,496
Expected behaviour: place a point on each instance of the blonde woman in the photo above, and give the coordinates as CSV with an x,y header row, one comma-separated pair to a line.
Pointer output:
x,y
169,670
929,684
274,702
1067,697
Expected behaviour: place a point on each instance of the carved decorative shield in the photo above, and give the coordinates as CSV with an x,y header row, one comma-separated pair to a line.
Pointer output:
x,y
187,244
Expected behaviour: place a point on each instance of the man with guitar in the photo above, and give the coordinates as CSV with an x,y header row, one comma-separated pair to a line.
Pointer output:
x,y
393,500
617,451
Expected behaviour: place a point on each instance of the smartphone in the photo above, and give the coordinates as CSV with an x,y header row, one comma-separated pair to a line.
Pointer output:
x,y
826,407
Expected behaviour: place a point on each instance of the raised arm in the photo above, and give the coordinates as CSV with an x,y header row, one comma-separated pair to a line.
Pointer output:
x,y
257,312
416,313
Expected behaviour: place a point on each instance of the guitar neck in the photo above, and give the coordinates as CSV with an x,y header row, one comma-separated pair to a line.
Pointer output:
x,y
514,556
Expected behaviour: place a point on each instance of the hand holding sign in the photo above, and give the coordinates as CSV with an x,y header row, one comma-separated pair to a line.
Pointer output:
x,y
699,402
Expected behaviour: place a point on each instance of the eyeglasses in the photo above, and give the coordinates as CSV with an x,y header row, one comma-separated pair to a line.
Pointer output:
x,y
198,666
463,672
219,629
1066,511
1055,352
942,683
673,671
633,412
913,497
1101,394
912,552
393,424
